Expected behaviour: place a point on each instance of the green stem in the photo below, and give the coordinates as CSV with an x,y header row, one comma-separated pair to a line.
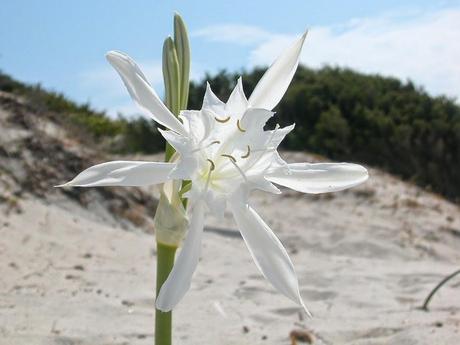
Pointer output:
x,y
163,321
169,152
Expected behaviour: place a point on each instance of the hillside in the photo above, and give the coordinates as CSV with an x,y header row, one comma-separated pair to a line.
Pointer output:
x,y
77,265
38,152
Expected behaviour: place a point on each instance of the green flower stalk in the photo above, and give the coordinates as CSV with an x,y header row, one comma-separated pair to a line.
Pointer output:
x,y
170,219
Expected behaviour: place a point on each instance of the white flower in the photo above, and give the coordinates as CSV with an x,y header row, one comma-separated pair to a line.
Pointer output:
x,y
225,152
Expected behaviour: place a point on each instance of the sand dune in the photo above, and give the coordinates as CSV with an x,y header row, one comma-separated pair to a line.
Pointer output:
x,y
77,267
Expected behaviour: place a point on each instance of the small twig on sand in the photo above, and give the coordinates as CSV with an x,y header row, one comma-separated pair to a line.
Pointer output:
x,y
436,288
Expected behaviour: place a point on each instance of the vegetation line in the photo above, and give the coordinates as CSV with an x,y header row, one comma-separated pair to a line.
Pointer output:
x,y
339,113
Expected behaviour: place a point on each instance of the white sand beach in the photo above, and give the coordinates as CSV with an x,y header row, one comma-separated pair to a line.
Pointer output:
x,y
77,267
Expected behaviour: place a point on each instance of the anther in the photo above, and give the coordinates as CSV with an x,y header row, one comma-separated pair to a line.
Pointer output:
x,y
229,156
247,153
222,120
214,142
239,126
213,166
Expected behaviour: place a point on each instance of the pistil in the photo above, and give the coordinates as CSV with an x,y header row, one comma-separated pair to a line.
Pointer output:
x,y
233,161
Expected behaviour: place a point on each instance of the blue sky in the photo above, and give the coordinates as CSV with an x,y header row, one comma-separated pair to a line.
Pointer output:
x,y
61,44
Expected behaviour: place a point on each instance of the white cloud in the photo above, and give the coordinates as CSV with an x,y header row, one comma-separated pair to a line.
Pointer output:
x,y
106,87
424,48
233,33
421,46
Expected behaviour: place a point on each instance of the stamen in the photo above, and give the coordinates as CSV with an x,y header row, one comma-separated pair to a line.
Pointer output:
x,y
222,120
210,144
229,156
208,179
239,126
213,166
233,161
240,171
247,153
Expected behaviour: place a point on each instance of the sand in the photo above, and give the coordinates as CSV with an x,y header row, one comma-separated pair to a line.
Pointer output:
x,y
77,266
366,259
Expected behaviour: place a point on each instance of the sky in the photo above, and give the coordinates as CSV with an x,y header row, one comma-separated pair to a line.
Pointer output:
x,y
61,44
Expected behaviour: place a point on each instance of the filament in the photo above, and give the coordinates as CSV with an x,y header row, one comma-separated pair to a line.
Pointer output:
x,y
233,161
239,170
213,166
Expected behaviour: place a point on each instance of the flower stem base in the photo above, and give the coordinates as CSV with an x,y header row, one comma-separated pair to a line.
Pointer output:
x,y
163,321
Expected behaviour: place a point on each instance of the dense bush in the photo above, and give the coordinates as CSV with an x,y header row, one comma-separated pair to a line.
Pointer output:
x,y
374,120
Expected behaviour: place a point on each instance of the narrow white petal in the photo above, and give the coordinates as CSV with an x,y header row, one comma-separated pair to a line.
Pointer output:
x,y
141,91
267,251
122,173
179,280
274,83
319,177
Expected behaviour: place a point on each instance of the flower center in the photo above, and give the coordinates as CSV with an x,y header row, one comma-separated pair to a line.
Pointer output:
x,y
225,156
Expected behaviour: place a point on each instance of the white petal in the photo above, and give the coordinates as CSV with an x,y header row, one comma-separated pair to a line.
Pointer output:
x,y
262,162
122,173
254,120
261,183
198,123
180,143
141,91
212,102
320,177
237,102
274,83
179,280
188,161
277,135
267,251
